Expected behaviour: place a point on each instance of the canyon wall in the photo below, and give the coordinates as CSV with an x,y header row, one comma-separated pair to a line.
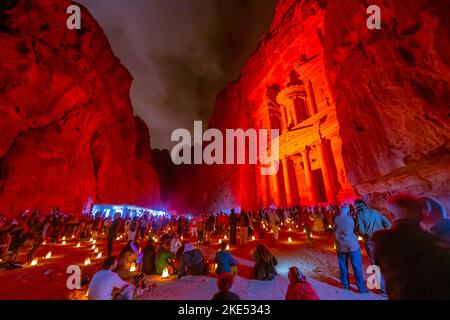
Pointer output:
x,y
68,128
390,88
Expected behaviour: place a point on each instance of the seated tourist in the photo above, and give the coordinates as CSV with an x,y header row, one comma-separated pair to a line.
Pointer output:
x,y
128,255
149,256
299,288
164,259
106,283
224,260
192,261
265,263
224,283
175,244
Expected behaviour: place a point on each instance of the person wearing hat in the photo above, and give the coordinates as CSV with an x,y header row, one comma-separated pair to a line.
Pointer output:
x,y
299,288
370,221
192,261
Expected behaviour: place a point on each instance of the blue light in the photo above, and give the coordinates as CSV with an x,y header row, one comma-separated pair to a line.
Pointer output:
x,y
109,210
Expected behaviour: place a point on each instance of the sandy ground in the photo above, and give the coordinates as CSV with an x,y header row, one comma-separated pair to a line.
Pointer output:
x,y
47,280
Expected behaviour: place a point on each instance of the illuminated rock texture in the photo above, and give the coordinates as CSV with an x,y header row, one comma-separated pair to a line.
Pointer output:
x,y
392,96
362,112
68,131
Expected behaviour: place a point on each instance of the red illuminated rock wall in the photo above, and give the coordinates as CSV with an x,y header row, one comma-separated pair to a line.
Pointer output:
x,y
68,127
392,95
391,92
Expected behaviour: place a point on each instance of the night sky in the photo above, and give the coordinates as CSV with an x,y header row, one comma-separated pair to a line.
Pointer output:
x,y
181,53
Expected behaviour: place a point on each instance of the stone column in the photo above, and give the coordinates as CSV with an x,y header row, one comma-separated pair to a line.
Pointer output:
x,y
308,175
312,98
328,175
287,182
294,110
275,189
265,184
284,118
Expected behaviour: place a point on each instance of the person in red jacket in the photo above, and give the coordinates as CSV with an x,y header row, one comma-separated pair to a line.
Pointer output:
x,y
299,288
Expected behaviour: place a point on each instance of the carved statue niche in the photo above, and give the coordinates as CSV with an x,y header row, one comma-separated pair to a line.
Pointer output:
x,y
294,79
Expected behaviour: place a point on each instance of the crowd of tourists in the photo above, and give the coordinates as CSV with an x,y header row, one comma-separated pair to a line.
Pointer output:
x,y
410,246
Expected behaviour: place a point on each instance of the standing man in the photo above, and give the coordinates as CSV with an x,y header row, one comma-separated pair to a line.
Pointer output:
x,y
233,226
274,220
245,222
347,248
414,263
112,233
370,221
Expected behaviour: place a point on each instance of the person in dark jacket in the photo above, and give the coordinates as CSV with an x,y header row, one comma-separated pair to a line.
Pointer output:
x,y
148,258
233,226
369,221
112,233
299,288
224,260
414,263
347,248
434,218
265,263
192,261
224,283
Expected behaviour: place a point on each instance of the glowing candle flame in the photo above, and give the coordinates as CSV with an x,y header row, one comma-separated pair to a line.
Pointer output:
x,y
290,240
290,229
93,247
253,238
311,235
225,237
360,238
45,242
296,226
334,246
48,255
165,273
220,241
87,261
63,238
96,250
228,247
330,226
63,243
216,266
73,236
91,239
78,245
87,293
99,255
94,242
34,262
133,267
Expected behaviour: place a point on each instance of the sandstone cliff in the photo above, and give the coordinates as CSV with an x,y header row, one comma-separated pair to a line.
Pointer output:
x,y
390,86
68,127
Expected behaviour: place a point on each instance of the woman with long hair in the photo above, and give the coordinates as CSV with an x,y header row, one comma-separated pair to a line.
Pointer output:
x,y
265,263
